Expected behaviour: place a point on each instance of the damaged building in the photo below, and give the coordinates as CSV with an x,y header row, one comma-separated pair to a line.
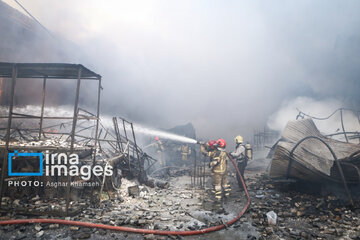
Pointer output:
x,y
130,129
64,166
95,177
303,153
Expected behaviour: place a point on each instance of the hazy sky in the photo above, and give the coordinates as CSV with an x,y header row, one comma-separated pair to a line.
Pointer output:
x,y
225,66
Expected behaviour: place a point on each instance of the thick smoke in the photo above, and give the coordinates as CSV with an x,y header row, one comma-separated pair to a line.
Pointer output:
x,y
224,66
323,109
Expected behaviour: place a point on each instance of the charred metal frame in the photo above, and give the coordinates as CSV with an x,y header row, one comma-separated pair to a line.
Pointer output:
x,y
199,172
335,159
46,71
353,135
127,144
263,137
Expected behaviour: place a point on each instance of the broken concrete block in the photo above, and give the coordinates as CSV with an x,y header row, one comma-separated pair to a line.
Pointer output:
x,y
53,226
134,191
82,235
38,228
161,184
149,236
74,228
39,234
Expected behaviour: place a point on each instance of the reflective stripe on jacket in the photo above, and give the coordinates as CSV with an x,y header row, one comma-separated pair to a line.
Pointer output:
x,y
221,158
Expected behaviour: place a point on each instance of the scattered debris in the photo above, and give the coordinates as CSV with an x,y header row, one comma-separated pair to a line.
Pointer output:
x,y
271,218
134,191
300,215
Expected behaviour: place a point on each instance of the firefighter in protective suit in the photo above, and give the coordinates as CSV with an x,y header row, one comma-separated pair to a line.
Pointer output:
x,y
208,148
218,166
185,152
240,156
159,148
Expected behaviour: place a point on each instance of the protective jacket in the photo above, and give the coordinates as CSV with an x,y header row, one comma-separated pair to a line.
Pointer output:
x,y
159,147
207,151
185,152
219,161
239,153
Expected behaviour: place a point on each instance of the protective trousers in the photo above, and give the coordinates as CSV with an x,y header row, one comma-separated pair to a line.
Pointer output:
x,y
161,158
220,182
241,166
184,156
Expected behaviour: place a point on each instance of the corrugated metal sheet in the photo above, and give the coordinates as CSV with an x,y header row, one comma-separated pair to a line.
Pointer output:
x,y
312,159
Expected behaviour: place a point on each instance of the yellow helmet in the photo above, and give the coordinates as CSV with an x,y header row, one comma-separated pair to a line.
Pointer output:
x,y
239,139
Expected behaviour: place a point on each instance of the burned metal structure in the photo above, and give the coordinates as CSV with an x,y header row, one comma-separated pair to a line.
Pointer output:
x,y
304,153
45,72
131,159
261,138
199,171
98,144
82,132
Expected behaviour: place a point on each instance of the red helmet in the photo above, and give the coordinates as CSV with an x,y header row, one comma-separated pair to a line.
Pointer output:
x,y
157,138
211,144
221,143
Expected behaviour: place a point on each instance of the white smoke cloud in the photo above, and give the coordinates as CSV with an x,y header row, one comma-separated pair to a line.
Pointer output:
x,y
224,66
318,109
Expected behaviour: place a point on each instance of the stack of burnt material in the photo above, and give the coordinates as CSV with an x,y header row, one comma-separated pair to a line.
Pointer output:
x,y
304,153
114,148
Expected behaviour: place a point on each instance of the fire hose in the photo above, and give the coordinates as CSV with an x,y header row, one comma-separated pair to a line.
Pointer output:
x,y
139,230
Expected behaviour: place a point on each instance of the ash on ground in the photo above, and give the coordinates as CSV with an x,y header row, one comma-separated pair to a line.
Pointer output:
x,y
183,207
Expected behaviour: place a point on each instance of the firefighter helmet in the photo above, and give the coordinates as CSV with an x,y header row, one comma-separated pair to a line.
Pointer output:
x,y
157,138
211,144
239,139
221,143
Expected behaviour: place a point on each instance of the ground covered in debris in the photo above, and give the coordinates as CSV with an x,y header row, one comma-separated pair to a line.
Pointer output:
x,y
181,207
300,215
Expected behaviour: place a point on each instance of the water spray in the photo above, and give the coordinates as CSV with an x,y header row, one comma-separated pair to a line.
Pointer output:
x,y
163,134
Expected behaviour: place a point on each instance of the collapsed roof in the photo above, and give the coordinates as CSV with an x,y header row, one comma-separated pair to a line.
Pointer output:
x,y
312,160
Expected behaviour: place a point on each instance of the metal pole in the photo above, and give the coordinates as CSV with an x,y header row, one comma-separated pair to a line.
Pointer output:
x,y
42,107
342,124
125,129
127,139
73,135
97,135
117,133
7,137
195,171
204,160
137,152
200,177
97,121
191,178
200,173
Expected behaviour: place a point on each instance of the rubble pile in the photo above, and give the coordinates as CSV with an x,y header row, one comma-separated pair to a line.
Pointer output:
x,y
49,142
42,206
300,215
167,173
179,207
